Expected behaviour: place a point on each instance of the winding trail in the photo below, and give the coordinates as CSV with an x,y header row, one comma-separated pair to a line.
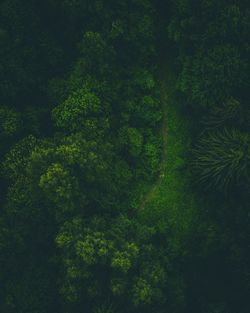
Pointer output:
x,y
170,203
164,98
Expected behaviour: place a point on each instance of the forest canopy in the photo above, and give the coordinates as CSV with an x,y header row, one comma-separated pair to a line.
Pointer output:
x,y
125,156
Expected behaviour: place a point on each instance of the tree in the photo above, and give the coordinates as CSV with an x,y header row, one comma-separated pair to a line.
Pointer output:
x,y
213,75
108,259
82,111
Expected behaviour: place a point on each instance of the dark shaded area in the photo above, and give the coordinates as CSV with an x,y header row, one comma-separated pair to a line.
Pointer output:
x,y
80,121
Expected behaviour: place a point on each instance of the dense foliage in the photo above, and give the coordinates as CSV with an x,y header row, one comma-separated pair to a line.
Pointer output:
x,y
81,117
213,44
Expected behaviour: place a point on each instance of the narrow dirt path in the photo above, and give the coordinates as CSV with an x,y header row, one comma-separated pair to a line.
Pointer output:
x,y
162,167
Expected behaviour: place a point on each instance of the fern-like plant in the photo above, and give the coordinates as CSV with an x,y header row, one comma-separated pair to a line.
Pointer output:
x,y
229,113
222,159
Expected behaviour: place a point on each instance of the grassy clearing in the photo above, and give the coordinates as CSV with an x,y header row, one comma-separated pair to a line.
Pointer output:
x,y
170,204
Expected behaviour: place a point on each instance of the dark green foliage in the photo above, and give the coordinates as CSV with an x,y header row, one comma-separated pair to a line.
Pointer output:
x,y
222,160
81,134
214,51
213,75
10,122
230,113
213,42
29,53
100,94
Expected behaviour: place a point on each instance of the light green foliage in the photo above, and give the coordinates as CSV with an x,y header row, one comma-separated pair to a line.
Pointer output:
x,y
85,247
23,199
60,187
68,201
72,165
95,247
123,260
17,158
81,111
91,249
68,231
64,168
172,205
142,292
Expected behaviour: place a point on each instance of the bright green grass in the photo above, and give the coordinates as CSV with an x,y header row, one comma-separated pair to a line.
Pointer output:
x,y
172,205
